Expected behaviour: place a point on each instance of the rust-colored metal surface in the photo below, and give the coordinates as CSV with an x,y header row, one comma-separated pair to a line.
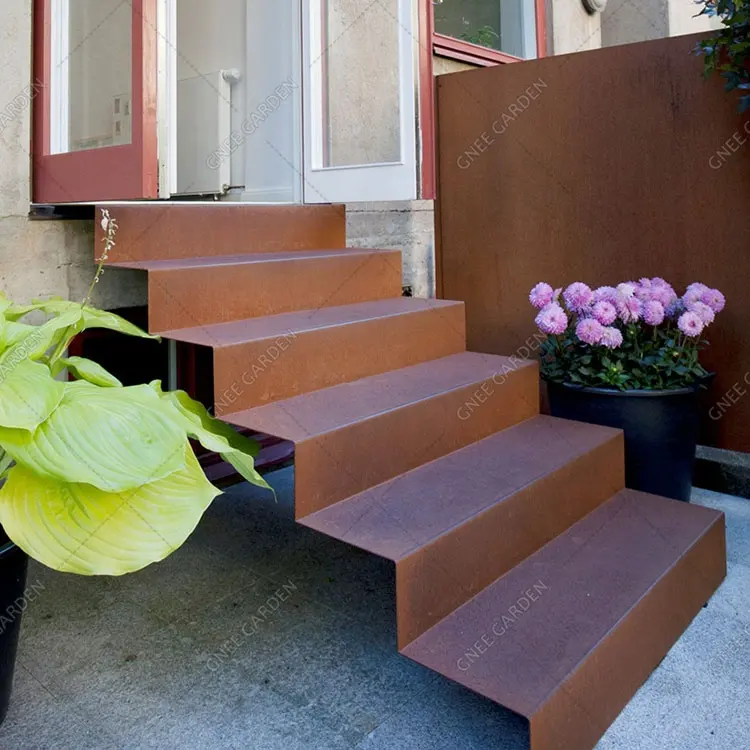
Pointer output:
x,y
163,231
604,165
435,579
280,356
280,282
422,406
569,635
412,448
519,489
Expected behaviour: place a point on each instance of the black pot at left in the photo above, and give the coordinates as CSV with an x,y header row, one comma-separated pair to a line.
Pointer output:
x,y
13,564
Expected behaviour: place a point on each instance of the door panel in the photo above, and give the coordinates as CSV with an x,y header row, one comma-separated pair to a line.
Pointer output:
x,y
95,125
359,70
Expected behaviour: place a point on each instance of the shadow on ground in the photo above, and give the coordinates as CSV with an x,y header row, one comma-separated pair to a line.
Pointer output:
x,y
258,634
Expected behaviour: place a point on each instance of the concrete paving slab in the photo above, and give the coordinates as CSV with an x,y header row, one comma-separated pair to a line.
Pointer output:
x,y
260,634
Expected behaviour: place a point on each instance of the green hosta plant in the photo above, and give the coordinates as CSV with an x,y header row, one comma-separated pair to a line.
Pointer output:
x,y
99,479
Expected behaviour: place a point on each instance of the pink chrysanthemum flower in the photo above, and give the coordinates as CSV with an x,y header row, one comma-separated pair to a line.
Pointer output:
x,y
714,299
627,289
653,313
629,309
690,324
605,294
589,331
703,311
611,338
605,312
693,293
541,295
664,294
644,292
578,297
552,320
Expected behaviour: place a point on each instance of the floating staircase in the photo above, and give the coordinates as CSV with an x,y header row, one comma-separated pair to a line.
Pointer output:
x,y
525,570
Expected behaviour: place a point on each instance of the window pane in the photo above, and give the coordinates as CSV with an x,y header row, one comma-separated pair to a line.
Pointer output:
x,y
99,74
361,91
505,25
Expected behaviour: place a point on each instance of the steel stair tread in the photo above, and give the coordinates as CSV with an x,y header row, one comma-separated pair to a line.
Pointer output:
x,y
291,324
401,515
321,412
516,644
180,264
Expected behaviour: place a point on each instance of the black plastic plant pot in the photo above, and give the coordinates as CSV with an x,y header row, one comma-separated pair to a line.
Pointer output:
x,y
13,565
661,431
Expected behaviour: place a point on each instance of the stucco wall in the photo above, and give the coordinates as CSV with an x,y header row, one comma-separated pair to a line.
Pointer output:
x,y
571,29
683,19
625,22
40,258
443,65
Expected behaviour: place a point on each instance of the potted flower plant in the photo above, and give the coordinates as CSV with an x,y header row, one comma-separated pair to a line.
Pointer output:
x,y
628,357
98,479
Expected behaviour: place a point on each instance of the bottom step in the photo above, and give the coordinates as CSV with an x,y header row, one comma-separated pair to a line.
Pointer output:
x,y
568,636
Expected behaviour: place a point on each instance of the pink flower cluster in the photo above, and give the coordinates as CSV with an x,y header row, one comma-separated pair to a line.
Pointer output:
x,y
596,313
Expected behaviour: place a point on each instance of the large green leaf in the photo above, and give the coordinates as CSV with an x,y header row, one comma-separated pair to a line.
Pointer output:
x,y
32,342
112,438
28,395
216,436
90,371
13,332
76,528
91,317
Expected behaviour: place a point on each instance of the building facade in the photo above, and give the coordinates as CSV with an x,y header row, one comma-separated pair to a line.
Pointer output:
x,y
185,100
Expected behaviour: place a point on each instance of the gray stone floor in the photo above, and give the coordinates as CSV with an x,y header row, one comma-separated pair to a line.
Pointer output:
x,y
260,634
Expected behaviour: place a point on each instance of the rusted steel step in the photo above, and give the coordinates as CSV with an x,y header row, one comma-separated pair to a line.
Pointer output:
x,y
248,286
569,635
406,418
455,525
261,360
163,230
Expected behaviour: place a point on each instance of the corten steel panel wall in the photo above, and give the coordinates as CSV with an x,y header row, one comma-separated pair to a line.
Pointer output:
x,y
600,166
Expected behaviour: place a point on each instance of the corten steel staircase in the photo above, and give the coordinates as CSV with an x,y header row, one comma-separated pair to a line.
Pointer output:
x,y
524,570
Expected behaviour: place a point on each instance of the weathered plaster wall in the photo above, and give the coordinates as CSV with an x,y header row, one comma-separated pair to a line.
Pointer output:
x,y
683,19
443,65
626,22
40,258
571,29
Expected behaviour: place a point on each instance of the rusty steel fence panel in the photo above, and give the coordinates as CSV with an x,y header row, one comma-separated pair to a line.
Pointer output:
x,y
603,165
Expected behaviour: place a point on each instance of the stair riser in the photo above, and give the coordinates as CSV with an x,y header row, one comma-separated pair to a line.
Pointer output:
x,y
259,374
437,579
177,230
332,467
578,714
219,294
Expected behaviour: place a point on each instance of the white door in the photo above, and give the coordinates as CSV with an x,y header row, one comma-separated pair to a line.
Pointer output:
x,y
360,100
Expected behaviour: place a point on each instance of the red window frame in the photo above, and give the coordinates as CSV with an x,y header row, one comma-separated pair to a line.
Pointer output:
x,y
126,172
455,49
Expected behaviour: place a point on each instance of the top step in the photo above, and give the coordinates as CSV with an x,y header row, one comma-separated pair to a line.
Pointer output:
x,y
167,231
